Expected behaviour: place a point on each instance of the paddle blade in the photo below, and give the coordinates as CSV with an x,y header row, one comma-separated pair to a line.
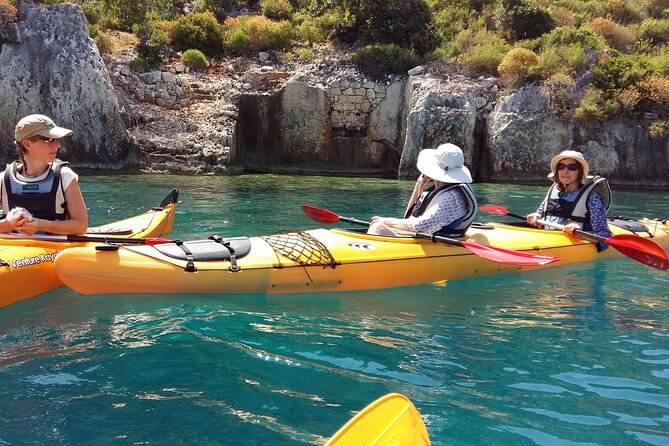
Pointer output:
x,y
641,249
154,241
320,215
501,255
494,209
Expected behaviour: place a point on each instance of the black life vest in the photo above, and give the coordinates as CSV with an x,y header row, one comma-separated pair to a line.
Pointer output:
x,y
456,228
43,199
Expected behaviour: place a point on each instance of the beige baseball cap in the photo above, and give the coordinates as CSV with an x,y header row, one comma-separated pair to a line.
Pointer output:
x,y
33,125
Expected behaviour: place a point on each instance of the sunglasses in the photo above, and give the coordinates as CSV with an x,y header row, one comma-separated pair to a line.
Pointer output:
x,y
573,166
44,138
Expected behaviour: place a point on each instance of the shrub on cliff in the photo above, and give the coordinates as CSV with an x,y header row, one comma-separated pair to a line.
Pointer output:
x,y
195,59
276,9
517,66
198,30
618,36
482,51
524,19
406,23
654,31
154,46
220,8
378,61
250,34
562,59
7,20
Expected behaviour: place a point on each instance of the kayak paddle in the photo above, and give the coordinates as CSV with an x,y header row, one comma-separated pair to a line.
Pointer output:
x,y
392,419
492,253
643,250
86,238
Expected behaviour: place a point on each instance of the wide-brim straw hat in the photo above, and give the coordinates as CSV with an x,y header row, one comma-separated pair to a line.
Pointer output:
x,y
573,154
445,164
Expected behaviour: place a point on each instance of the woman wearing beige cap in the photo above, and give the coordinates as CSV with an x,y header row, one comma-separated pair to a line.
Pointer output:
x,y
39,192
447,208
575,199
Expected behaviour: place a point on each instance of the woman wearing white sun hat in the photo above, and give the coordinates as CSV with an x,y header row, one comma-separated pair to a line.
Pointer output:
x,y
575,199
447,208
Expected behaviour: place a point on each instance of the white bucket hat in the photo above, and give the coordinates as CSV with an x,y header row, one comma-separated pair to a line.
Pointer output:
x,y
573,154
445,164
33,125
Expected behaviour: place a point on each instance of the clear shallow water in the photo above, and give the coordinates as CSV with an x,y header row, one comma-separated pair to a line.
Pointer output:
x,y
569,356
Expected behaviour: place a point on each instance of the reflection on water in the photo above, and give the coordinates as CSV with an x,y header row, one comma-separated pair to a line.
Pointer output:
x,y
570,355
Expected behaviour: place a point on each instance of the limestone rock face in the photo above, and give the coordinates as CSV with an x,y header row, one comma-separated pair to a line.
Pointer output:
x,y
439,112
523,136
55,69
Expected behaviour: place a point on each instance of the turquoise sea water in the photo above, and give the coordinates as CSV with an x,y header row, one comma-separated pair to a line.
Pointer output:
x,y
576,355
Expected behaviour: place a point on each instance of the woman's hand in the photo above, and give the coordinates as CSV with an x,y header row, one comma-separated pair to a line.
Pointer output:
x,y
422,181
570,227
29,227
532,219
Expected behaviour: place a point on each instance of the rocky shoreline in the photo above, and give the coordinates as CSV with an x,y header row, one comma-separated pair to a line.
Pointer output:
x,y
273,113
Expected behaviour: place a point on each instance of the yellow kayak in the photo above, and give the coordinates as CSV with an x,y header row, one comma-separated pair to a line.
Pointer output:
x,y
27,263
392,420
318,260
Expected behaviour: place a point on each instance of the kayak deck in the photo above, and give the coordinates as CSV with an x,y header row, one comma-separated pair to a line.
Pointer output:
x,y
320,260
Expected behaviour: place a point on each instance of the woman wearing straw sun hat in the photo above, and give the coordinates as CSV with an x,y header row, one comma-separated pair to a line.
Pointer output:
x,y
446,208
575,199
39,192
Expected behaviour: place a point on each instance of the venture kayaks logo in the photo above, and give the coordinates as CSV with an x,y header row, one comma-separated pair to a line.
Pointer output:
x,y
362,246
30,261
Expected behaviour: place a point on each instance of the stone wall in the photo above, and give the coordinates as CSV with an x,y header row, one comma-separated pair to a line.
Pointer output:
x,y
345,125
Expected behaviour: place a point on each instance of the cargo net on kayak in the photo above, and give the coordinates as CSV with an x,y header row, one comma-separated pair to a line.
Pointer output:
x,y
300,247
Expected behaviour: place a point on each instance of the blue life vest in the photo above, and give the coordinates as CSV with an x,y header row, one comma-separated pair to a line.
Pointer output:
x,y
43,199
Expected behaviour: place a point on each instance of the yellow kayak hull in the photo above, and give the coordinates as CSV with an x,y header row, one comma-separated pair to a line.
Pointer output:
x,y
362,262
27,265
392,420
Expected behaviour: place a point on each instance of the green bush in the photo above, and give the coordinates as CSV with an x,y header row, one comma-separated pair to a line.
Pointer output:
x,y
524,19
306,55
562,59
154,47
248,34
7,19
276,9
482,51
517,66
309,32
590,108
567,35
619,71
139,65
195,59
220,8
198,30
654,31
406,23
378,61
449,21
